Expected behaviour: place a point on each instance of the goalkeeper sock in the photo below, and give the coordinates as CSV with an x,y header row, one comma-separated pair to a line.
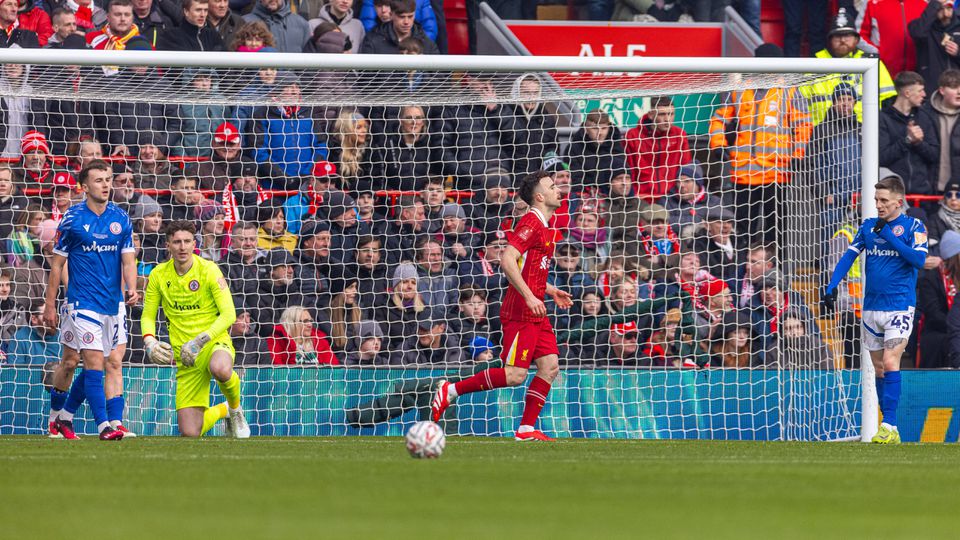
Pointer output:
x,y
75,398
880,392
231,390
213,415
487,379
93,386
115,410
891,397
535,400
57,399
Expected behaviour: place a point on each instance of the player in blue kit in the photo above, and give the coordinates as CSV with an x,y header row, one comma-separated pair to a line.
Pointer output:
x,y
96,237
895,246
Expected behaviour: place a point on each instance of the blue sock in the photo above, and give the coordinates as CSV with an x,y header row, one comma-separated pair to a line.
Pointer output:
x,y
77,394
891,397
880,392
93,385
115,409
57,399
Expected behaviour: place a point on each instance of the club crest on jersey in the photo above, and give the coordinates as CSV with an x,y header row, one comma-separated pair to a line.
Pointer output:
x,y
115,228
68,336
88,338
194,285
898,230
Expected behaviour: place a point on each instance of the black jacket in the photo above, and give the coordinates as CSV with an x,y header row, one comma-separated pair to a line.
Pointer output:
x,y
917,163
927,33
593,164
228,26
932,305
154,24
26,39
715,260
132,123
524,140
189,37
383,40
468,144
244,279
931,119
396,165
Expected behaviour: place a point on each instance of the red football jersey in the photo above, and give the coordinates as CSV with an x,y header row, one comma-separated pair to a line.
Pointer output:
x,y
535,241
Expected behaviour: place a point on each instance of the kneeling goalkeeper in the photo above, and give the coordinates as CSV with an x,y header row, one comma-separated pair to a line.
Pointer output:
x,y
199,310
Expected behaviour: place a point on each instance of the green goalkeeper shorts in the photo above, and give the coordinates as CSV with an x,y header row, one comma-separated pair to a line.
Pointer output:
x,y
193,383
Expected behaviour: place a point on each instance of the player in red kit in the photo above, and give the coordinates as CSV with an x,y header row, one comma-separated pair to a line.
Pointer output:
x,y
527,334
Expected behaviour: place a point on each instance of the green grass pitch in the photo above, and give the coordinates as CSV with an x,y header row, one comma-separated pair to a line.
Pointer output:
x,y
299,488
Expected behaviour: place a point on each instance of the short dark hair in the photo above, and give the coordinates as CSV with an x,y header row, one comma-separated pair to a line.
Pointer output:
x,y
598,116
187,4
121,3
180,225
6,273
529,184
434,180
893,184
95,165
410,45
423,243
907,78
60,11
401,7
660,101
469,291
367,239
245,225
949,79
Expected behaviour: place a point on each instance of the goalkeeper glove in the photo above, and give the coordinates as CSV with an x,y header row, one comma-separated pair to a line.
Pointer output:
x,y
192,348
157,351
829,299
881,223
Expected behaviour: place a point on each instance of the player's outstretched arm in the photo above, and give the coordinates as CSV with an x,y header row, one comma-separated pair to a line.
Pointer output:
x,y
511,268
839,272
53,288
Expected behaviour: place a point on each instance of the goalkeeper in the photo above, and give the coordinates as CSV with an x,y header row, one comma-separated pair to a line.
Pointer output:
x,y
199,309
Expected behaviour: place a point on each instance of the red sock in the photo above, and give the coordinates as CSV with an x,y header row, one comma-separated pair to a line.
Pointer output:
x,y
485,380
534,402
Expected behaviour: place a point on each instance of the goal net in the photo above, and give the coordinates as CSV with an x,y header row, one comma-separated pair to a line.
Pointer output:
x,y
359,215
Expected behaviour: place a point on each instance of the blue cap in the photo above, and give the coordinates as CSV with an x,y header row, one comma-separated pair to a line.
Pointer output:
x,y
479,345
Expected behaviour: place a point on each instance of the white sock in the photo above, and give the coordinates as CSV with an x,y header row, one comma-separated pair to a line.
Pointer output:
x,y
53,415
891,427
114,423
102,426
452,392
525,429
231,410
66,416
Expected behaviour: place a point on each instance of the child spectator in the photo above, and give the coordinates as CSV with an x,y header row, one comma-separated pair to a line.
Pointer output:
x,y
212,241
459,239
201,116
34,343
367,346
799,345
23,244
732,343
471,321
182,200
399,317
253,37
590,236
273,228
434,197
296,340
482,350
64,193
12,315
340,13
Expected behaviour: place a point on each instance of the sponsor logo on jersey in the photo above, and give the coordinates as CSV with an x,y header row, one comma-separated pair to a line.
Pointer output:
x,y
100,248
898,230
184,307
115,228
919,237
194,285
882,252
88,338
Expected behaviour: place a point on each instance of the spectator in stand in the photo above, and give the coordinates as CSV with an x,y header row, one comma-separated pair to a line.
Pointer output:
x,y
242,197
732,342
655,149
401,236
19,115
367,346
35,165
284,133
375,13
150,18
459,239
947,217
63,194
719,246
759,157
590,235
308,200
485,272
658,239
351,152
936,292
832,152
596,151
369,271
147,216
182,200
563,179
795,12
117,32
273,232
760,260
526,131
34,344
381,14
492,204
623,210
65,25
471,320
340,13
327,38
253,37
340,210
884,26
437,281
432,345
34,19
942,111
404,160
199,117
296,340
936,36
225,155
908,139
468,140
398,317
251,350
12,315
212,239
314,270
433,197
277,291
772,299
386,38
712,302
345,314
10,31
22,247
193,33
11,201
290,31
87,149
262,85
241,266
224,21
152,168
798,345
568,275
843,41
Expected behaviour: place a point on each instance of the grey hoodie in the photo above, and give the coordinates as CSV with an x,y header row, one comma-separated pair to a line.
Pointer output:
x,y
366,329
289,29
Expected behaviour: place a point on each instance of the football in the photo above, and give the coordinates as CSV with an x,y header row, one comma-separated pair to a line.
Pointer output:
x,y
425,440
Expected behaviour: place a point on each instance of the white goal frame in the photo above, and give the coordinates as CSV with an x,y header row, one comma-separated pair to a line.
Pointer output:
x,y
869,68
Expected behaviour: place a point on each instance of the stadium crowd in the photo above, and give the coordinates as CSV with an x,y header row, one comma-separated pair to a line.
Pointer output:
x,y
372,235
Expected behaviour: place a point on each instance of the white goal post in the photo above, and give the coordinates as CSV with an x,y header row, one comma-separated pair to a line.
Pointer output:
x,y
680,75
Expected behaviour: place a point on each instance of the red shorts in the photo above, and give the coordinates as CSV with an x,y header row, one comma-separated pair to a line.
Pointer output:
x,y
524,342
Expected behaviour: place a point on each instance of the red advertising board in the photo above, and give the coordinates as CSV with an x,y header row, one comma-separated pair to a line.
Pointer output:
x,y
586,39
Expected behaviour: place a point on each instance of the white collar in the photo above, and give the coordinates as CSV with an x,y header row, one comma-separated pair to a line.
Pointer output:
x,y
540,215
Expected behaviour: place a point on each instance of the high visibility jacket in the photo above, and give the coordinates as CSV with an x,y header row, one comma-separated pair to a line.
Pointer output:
x,y
855,275
819,93
770,128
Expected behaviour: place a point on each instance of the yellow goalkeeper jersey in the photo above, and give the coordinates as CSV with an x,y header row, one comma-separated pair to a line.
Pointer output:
x,y
198,301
